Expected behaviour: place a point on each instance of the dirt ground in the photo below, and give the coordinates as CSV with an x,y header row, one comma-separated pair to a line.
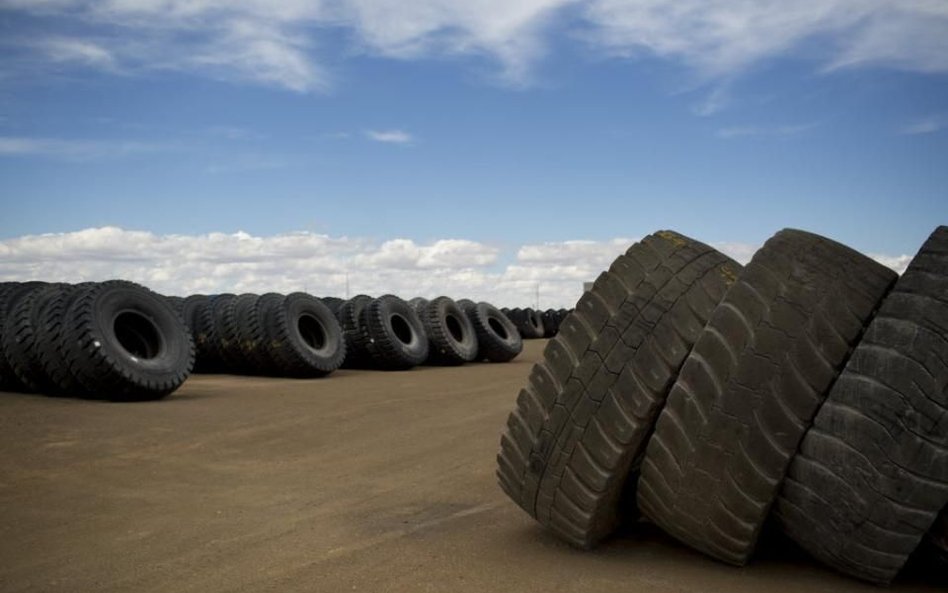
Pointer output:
x,y
362,481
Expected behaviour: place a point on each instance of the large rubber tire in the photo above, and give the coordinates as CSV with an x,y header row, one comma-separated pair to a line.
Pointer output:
x,y
451,337
750,387
937,544
497,337
124,342
582,421
871,474
418,304
251,340
228,339
10,295
21,335
301,335
50,340
204,332
333,303
349,316
396,338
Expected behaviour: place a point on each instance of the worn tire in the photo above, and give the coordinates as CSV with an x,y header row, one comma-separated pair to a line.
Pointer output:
x,y
205,334
396,339
497,337
750,387
300,335
50,340
871,474
332,302
451,337
10,295
349,316
251,341
22,337
583,419
124,342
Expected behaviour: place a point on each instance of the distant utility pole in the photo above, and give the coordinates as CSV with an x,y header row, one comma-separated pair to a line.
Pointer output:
x,y
538,297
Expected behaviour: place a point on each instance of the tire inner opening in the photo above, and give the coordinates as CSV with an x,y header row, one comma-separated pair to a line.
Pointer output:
x,y
401,329
498,328
137,334
312,331
454,328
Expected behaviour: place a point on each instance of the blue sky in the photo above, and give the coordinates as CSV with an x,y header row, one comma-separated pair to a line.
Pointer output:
x,y
512,127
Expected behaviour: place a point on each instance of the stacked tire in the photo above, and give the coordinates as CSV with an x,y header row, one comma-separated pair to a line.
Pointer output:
x,y
111,340
809,389
294,335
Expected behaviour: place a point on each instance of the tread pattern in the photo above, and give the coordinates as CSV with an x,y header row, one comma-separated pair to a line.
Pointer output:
x,y
588,407
750,387
872,473
443,347
497,338
385,349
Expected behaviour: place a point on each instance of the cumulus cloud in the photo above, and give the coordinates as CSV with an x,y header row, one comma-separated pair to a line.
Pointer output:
x,y
278,44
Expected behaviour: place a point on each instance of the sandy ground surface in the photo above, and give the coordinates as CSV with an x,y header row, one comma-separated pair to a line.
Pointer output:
x,y
363,481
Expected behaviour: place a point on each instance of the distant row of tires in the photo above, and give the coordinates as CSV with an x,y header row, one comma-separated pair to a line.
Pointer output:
x,y
300,335
808,389
120,341
534,324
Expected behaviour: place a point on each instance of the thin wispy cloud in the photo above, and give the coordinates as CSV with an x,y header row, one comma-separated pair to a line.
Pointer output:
x,y
277,44
75,150
927,125
779,131
389,136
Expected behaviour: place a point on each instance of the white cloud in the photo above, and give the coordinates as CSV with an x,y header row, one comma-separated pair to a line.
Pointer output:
x,y
779,130
927,125
277,44
389,136
897,262
322,265
75,150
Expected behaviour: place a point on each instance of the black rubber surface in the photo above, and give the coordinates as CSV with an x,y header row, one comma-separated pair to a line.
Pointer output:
x,y
872,473
497,338
585,414
22,336
396,339
124,342
750,387
451,337
10,295
300,335
349,316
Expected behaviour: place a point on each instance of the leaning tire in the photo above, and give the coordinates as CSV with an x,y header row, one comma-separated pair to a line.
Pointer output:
x,y
10,295
451,338
349,316
300,335
124,342
750,387
497,337
20,331
583,419
871,474
396,339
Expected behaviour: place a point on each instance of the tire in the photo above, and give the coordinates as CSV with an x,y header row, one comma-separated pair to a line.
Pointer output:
x,y
551,322
50,340
451,338
497,337
466,304
23,336
10,294
581,423
418,304
250,337
333,303
533,325
396,338
225,329
936,544
124,342
301,335
750,387
204,332
349,316
871,474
